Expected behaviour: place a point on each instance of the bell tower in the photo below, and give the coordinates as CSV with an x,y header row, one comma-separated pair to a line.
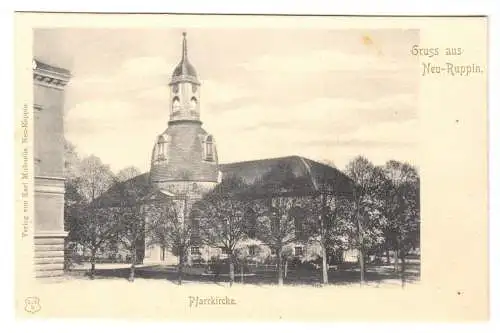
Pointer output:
x,y
184,90
184,161
184,154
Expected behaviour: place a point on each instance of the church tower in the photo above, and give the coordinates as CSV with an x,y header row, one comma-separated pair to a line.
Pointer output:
x,y
184,162
184,90
184,159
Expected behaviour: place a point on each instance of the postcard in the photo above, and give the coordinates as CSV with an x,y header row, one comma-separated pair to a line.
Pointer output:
x,y
251,168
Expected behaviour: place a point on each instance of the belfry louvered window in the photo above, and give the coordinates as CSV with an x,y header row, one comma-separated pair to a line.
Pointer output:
x,y
192,106
176,105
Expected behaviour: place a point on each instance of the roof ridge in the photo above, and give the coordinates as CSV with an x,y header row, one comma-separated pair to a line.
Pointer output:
x,y
264,159
308,169
322,163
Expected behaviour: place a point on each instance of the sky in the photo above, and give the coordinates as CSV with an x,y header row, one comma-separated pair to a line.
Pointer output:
x,y
328,95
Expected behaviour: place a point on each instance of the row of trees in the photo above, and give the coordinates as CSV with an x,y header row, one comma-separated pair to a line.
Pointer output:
x,y
380,214
107,212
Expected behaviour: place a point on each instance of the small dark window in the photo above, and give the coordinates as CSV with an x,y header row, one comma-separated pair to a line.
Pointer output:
x,y
209,148
176,105
161,154
195,250
193,104
299,251
252,250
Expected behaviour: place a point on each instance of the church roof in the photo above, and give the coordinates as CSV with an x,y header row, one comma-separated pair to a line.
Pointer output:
x,y
287,176
184,71
136,188
293,175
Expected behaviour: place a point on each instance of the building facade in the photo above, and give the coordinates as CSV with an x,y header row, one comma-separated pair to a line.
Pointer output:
x,y
48,94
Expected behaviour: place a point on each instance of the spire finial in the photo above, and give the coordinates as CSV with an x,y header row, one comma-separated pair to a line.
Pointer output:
x,y
184,45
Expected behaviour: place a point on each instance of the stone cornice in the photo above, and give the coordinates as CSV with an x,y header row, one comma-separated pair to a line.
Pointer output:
x,y
185,121
51,234
184,78
49,77
49,185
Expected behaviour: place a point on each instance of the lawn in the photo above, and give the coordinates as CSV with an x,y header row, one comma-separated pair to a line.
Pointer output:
x,y
343,275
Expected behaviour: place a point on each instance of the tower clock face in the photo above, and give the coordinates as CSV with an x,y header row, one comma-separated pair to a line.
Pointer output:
x,y
195,87
175,88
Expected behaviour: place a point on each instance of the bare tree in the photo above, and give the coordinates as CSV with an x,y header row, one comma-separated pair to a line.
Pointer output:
x,y
402,208
128,201
276,225
328,218
91,225
171,228
127,173
72,200
367,206
220,219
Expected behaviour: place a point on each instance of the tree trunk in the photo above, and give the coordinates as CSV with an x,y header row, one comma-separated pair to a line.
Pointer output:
x,y
92,263
286,267
362,264
241,270
387,257
179,269
325,263
402,269
132,266
361,254
231,270
280,268
396,260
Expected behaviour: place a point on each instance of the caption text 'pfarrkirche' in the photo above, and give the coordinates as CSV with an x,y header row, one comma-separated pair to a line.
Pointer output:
x,y
196,301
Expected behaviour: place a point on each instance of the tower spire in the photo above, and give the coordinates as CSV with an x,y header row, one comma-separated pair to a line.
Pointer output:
x,y
184,71
184,46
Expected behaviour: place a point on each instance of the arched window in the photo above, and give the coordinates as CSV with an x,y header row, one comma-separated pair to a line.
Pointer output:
x,y
209,148
176,105
161,154
192,105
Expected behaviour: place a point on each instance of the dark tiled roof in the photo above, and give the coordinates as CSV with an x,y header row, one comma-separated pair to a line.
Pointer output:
x,y
140,184
50,68
292,174
184,71
184,68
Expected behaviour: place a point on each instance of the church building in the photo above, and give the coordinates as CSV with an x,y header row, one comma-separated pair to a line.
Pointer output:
x,y
185,164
